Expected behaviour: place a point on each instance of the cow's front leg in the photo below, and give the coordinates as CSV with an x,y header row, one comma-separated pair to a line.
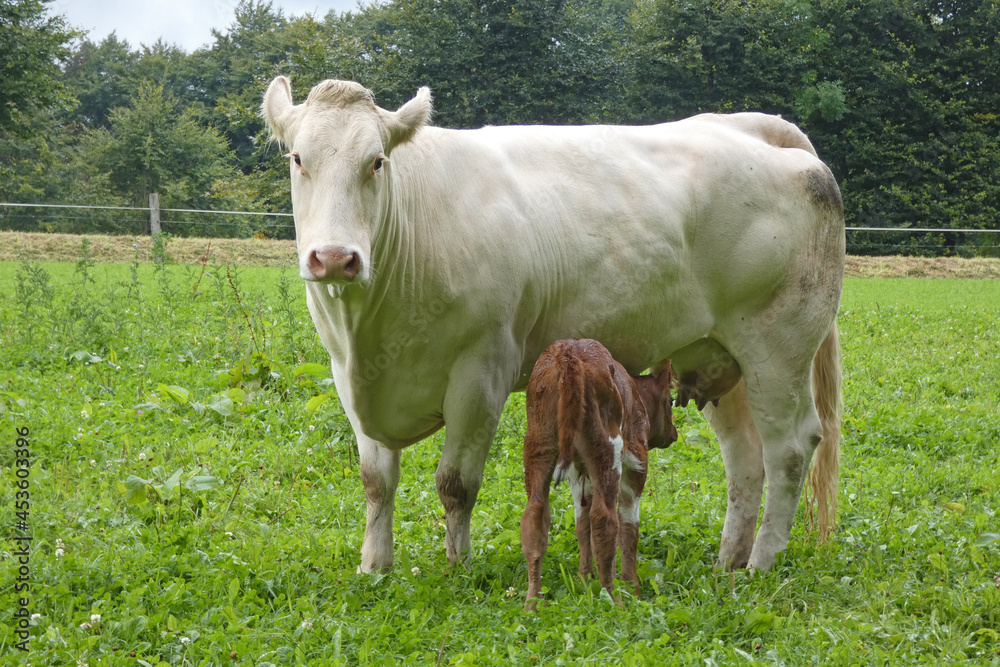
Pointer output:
x,y
471,415
380,477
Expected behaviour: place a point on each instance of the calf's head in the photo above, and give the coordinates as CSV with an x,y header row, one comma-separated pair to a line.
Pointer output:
x,y
339,143
655,392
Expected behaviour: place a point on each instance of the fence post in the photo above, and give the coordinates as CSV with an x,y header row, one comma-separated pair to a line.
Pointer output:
x,y
154,213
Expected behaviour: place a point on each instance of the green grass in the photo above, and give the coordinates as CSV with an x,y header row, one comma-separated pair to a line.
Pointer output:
x,y
127,374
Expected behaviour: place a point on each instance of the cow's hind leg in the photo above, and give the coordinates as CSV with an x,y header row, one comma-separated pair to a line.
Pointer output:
x,y
744,462
380,477
782,405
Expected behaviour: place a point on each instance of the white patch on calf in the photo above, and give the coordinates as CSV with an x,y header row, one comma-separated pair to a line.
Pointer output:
x,y
561,473
629,513
577,486
632,462
617,445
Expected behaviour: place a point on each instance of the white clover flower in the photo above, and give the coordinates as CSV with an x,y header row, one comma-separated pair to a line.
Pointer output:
x,y
307,624
59,553
95,618
59,542
511,592
309,451
85,625
142,456
312,427
310,469
185,640
35,618
93,463
415,571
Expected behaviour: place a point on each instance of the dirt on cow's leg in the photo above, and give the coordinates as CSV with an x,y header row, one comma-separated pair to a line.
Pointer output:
x,y
744,463
471,414
380,477
788,440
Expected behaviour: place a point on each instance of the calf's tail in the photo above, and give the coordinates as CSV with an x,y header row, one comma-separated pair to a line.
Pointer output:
x,y
822,487
569,412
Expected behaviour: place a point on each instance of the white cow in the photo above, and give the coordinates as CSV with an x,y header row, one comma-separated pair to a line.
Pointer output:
x,y
441,263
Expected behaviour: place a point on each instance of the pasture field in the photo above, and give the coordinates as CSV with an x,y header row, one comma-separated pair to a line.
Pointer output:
x,y
195,499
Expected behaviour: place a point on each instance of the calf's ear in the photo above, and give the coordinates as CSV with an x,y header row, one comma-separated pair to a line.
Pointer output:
x,y
279,114
404,123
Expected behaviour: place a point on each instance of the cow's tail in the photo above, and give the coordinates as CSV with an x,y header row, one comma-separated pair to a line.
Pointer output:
x,y
569,412
822,487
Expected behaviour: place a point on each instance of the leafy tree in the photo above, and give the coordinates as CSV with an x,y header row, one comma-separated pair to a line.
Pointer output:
x,y
102,77
155,146
229,78
31,47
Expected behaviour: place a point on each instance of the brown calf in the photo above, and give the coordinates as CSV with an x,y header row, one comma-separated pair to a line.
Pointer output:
x,y
591,422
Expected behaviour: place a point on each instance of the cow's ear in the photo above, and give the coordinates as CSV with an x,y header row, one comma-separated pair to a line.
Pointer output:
x,y
278,111
404,123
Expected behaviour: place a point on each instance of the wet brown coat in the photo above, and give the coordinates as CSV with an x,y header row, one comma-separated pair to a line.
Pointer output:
x,y
591,422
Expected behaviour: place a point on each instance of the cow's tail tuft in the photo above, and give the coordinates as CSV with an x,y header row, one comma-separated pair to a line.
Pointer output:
x,y
822,487
569,411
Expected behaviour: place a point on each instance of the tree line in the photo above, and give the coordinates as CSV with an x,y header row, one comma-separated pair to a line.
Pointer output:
x,y
900,97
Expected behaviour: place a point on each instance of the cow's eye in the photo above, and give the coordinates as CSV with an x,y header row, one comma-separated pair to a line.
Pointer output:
x,y
378,165
298,160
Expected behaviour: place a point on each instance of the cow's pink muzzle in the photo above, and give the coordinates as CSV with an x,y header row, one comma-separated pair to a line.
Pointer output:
x,y
331,263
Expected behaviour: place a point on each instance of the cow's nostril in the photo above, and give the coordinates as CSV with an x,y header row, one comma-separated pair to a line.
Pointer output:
x,y
332,263
316,265
353,266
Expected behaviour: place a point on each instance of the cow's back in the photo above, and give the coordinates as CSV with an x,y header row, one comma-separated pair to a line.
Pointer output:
x,y
642,237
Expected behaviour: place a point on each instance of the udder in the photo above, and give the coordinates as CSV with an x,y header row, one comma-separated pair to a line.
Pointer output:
x,y
706,372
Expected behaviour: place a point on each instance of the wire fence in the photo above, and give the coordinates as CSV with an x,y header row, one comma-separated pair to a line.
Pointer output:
x,y
136,220
141,220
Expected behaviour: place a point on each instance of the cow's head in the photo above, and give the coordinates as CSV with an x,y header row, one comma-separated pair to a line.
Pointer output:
x,y
339,145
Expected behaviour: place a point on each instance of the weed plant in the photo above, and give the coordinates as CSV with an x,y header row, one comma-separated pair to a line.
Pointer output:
x,y
195,498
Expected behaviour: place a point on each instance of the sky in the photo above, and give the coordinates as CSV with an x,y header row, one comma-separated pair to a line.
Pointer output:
x,y
186,23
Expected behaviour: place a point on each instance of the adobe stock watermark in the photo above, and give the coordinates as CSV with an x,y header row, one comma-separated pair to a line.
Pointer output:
x,y
22,538
393,346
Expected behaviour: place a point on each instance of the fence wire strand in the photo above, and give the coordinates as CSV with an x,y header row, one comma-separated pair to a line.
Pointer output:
x,y
122,219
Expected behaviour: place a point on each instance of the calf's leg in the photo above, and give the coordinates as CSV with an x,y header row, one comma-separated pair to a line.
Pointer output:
x,y
535,524
604,530
628,524
583,496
